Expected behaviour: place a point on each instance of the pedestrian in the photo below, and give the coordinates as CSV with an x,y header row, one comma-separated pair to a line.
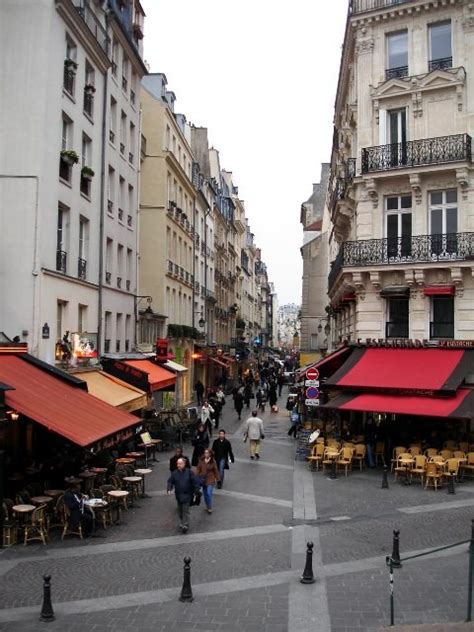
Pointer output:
x,y
272,394
254,433
261,397
222,450
248,394
206,411
370,438
199,388
238,403
220,396
178,455
216,410
185,485
281,381
200,442
209,475
295,421
79,513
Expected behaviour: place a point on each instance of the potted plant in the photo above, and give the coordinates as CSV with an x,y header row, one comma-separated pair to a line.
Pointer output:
x,y
89,87
87,173
69,156
70,64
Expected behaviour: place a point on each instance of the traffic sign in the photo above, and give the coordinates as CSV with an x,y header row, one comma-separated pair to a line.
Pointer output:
x,y
312,373
312,392
311,402
312,383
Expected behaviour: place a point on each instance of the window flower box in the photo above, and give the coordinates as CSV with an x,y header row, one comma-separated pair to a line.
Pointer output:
x,y
87,173
69,157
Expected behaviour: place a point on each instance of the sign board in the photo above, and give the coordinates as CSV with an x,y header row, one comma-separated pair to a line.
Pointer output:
x,y
312,373
311,402
162,349
312,392
312,383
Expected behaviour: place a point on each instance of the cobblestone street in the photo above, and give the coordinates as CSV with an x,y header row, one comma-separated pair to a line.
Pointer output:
x,y
248,556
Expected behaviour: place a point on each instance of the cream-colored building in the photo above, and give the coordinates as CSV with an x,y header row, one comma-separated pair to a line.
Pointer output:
x,y
401,195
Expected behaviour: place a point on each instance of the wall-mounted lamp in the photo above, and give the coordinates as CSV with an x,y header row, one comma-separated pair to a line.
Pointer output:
x,y
45,331
13,414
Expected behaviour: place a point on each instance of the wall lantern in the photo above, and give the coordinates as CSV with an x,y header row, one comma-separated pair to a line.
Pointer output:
x,y
45,331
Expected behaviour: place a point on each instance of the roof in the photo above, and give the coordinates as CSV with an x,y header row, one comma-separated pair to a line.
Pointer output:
x,y
61,407
112,390
158,377
460,406
435,370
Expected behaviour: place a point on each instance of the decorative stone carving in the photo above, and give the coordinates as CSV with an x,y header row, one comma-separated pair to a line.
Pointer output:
x,y
371,189
456,277
462,178
419,276
409,278
468,18
364,45
376,280
415,184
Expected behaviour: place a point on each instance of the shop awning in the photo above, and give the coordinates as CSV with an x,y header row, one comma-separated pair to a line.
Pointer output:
x,y
431,370
218,361
328,364
174,366
62,408
158,377
113,391
439,290
461,406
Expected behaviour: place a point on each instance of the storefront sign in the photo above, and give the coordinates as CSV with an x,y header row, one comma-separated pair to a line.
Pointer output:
x,y
162,349
395,343
311,402
456,344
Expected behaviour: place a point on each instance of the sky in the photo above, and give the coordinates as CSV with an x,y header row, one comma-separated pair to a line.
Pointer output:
x,y
261,75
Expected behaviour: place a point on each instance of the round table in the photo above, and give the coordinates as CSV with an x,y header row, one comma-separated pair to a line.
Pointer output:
x,y
87,474
143,471
125,461
96,502
132,481
23,509
117,495
73,479
54,493
41,500
406,464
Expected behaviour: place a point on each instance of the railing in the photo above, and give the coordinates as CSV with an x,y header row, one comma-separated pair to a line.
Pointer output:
x,y
440,64
68,80
93,23
170,266
82,268
61,261
130,157
360,6
122,148
119,282
416,153
120,214
128,285
110,206
112,136
441,330
124,84
108,278
129,221
396,330
132,97
88,105
391,73
403,250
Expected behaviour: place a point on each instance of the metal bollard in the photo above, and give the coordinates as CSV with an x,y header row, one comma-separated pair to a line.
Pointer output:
x,y
47,613
396,562
333,472
451,489
308,577
385,478
186,590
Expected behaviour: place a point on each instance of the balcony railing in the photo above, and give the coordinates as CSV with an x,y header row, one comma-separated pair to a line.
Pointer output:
x,y
417,153
391,73
110,207
396,330
119,282
441,330
403,250
360,6
440,64
68,80
129,221
120,214
88,104
93,23
82,269
112,136
61,261
108,278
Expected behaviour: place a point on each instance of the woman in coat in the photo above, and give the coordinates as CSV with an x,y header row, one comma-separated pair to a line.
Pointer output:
x,y
208,471
200,442
238,403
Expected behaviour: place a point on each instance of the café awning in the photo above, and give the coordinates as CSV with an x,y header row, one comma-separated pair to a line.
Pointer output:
x,y
157,376
328,364
60,406
112,390
460,406
431,370
175,366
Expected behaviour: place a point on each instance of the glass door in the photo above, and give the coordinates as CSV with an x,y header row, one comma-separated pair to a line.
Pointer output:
x,y
397,137
444,223
399,227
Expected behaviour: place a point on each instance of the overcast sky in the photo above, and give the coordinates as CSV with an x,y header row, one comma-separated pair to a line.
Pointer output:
x,y
261,76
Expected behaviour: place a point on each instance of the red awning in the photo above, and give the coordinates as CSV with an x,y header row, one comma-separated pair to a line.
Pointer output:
x,y
328,364
62,408
158,377
439,290
461,406
433,370
218,361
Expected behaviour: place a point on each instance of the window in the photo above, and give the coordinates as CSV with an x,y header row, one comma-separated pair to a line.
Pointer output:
x,y
397,55
131,205
398,226
60,316
129,270
122,199
112,120
83,246
81,318
119,265
108,260
89,89
440,46
397,323
313,345
123,132
444,222
131,156
397,137
65,165
167,138
111,191
70,66
124,74
115,55
442,317
61,239
133,84
86,160
118,332
107,331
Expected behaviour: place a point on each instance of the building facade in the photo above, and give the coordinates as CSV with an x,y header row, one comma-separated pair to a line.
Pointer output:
x,y
401,195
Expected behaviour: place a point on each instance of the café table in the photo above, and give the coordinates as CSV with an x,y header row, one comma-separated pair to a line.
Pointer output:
x,y
73,480
99,472
54,493
41,500
150,445
133,483
118,495
143,471
125,461
22,511
406,463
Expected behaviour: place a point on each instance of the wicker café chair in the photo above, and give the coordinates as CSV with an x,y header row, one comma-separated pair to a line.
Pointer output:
x,y
429,452
446,454
419,467
35,527
316,456
345,459
380,452
399,449
358,455
434,475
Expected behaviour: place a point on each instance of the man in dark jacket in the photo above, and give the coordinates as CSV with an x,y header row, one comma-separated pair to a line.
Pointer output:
x,y
222,449
185,485
199,388
79,514
174,459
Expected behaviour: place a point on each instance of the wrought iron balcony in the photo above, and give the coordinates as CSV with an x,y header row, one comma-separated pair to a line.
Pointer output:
x,y
61,261
68,80
88,104
441,330
417,153
108,278
82,269
361,6
403,250
440,64
391,73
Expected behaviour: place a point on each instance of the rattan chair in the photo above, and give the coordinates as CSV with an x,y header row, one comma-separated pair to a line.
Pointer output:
x,y
345,459
400,449
358,456
316,456
404,468
434,476
446,454
34,527
380,452
419,467
68,529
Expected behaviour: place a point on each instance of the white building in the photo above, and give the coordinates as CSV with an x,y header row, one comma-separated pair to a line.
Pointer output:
x,y
53,170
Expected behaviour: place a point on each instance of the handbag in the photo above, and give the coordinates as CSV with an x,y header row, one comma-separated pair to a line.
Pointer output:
x,y
196,499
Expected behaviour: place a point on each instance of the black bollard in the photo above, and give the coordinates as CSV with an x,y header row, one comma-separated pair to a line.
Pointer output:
x,y
396,562
308,577
385,478
186,590
333,472
47,613
451,489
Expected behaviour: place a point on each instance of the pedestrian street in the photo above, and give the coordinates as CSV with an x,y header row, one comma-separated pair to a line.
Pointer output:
x,y
247,558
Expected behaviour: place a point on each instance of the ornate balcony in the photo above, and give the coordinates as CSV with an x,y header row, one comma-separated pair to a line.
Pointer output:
x,y
417,153
61,261
403,250
82,269
440,64
391,73
361,6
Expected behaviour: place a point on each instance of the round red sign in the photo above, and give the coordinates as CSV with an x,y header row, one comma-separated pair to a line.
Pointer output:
x,y
312,373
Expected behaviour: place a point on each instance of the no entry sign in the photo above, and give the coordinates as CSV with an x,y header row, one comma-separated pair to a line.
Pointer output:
x,y
312,373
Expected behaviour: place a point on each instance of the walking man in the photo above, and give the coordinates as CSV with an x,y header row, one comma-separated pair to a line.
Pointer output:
x,y
254,433
222,449
185,484
199,388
